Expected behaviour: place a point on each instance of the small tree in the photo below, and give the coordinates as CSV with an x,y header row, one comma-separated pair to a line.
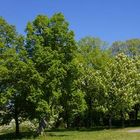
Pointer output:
x,y
118,83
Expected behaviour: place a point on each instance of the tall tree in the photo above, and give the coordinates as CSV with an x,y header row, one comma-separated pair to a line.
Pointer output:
x,y
90,60
19,81
51,46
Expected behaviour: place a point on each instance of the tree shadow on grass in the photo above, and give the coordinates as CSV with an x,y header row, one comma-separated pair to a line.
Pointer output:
x,y
22,135
77,129
57,135
26,135
100,128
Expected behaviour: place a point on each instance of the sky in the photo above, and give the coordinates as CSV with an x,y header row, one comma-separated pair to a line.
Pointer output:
x,y
110,20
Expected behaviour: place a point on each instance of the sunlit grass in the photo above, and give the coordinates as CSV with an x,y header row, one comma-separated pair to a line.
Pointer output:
x,y
105,134
115,134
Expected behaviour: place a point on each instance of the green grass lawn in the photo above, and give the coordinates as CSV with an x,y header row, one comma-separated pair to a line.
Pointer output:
x,y
114,134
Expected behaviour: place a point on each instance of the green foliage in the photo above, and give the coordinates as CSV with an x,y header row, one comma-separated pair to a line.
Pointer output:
x,y
91,59
118,83
46,74
51,46
19,81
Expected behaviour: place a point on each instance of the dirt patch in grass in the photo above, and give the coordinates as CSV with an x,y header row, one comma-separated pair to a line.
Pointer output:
x,y
134,131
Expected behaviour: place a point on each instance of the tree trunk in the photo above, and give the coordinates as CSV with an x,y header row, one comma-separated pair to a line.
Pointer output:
x,y
90,119
42,126
136,113
136,116
16,122
67,122
131,118
123,124
110,121
122,119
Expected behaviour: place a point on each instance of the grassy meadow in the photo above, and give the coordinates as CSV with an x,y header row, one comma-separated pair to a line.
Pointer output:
x,y
104,134
114,134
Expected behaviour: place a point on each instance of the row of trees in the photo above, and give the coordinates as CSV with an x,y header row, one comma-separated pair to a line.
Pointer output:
x,y
47,74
